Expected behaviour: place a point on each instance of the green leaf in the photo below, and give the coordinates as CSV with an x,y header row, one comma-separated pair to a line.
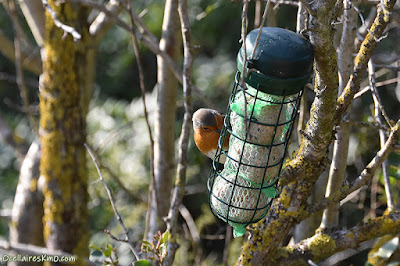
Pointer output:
x,y
94,247
146,243
108,250
165,236
142,263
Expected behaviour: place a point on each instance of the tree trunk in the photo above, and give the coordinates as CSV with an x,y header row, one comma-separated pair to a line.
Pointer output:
x,y
164,129
63,132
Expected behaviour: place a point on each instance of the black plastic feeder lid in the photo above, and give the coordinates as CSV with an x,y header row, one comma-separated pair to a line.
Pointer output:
x,y
283,61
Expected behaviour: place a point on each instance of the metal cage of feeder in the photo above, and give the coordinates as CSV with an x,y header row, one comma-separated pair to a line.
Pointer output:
x,y
258,125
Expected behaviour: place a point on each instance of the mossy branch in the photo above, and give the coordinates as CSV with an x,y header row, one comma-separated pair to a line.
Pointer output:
x,y
325,244
363,56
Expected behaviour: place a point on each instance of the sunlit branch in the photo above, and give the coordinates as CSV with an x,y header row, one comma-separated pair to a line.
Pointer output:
x,y
67,29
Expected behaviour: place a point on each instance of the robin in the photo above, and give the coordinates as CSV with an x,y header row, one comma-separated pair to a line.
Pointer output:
x,y
207,126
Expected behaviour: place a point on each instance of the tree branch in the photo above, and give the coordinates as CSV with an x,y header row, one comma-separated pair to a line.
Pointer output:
x,y
67,29
179,190
365,175
309,8
35,17
378,110
31,61
338,166
149,40
18,65
102,23
322,245
362,58
108,189
113,175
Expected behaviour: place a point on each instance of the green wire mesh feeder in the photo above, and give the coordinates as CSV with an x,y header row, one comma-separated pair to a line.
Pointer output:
x,y
258,125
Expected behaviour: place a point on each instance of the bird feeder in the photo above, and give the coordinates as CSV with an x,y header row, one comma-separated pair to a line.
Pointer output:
x,y
258,124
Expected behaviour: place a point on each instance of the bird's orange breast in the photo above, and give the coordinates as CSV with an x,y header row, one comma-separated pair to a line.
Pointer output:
x,y
206,140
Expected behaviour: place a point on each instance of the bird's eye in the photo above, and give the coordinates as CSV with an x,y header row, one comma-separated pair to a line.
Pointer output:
x,y
205,128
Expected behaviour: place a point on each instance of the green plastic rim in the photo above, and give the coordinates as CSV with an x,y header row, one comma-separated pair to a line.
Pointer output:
x,y
276,86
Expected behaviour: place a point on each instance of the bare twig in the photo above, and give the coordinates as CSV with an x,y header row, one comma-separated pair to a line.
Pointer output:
x,y
110,196
244,67
264,17
366,124
114,237
377,85
13,79
67,29
25,43
113,175
143,90
149,40
191,225
18,64
301,24
103,22
375,94
31,60
301,19
382,134
362,58
365,175
390,67
179,189
309,8
257,13
228,239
